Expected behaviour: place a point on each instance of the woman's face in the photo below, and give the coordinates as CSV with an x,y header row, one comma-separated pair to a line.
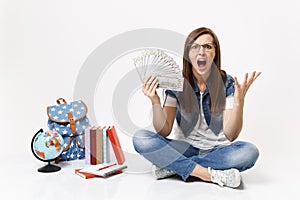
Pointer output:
x,y
202,53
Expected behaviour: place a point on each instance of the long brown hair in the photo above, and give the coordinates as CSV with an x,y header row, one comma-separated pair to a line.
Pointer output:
x,y
217,77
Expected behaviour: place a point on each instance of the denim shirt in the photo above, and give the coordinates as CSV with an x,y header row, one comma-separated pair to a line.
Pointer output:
x,y
188,120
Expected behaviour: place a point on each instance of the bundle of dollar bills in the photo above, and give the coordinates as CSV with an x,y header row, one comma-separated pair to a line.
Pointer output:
x,y
155,62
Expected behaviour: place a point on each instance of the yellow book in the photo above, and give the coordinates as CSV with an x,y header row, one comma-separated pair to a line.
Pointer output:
x,y
99,145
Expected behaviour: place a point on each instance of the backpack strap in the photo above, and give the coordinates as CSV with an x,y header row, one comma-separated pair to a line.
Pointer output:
x,y
73,130
78,144
66,149
72,123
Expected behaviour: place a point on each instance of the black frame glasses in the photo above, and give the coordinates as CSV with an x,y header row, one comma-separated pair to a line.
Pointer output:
x,y
207,47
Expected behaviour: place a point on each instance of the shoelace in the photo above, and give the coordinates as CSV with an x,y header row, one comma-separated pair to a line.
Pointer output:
x,y
218,181
214,178
230,178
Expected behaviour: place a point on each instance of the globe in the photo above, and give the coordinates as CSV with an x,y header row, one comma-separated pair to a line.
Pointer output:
x,y
47,146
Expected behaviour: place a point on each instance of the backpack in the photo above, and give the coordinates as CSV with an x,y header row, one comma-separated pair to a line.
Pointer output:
x,y
69,120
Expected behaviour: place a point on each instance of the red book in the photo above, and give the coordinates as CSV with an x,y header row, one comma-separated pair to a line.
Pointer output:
x,y
101,170
113,137
84,174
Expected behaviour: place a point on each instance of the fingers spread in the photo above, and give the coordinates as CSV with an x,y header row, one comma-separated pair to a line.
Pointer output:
x,y
246,78
252,77
237,84
256,75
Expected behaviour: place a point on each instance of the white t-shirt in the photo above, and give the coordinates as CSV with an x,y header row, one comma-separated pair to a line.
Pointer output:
x,y
201,137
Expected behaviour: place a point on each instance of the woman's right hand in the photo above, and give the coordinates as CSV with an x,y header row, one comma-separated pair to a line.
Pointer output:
x,y
149,89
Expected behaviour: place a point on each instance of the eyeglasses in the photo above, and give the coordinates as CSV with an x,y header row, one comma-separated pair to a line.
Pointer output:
x,y
208,47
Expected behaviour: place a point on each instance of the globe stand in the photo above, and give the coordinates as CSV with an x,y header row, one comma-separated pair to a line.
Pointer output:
x,y
49,168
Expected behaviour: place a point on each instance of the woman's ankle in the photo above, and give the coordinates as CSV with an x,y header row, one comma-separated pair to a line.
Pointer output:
x,y
201,172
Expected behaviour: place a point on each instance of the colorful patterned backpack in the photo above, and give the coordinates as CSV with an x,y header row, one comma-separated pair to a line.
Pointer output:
x,y
69,120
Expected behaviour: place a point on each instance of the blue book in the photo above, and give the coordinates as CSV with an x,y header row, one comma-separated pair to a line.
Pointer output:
x,y
105,150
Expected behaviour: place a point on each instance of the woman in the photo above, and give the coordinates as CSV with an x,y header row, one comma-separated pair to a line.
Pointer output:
x,y
209,114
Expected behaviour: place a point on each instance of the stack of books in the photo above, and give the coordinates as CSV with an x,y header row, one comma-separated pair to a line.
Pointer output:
x,y
101,170
97,145
97,152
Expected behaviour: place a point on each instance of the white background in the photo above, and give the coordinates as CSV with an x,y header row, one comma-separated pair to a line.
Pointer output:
x,y
43,45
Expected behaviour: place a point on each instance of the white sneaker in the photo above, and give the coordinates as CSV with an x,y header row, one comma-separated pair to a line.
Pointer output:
x,y
160,173
230,177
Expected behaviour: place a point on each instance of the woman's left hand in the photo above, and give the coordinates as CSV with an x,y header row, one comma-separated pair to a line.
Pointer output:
x,y
241,89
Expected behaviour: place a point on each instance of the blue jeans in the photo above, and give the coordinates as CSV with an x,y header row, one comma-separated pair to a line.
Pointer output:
x,y
181,157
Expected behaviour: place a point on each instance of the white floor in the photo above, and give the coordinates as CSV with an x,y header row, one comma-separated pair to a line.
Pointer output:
x,y
20,180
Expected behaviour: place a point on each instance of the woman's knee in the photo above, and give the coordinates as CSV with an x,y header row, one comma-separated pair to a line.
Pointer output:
x,y
250,154
141,140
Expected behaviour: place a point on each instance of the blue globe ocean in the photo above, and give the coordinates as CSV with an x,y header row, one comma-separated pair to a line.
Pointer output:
x,y
48,145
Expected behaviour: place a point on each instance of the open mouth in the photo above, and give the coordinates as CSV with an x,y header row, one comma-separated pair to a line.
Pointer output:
x,y
201,63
